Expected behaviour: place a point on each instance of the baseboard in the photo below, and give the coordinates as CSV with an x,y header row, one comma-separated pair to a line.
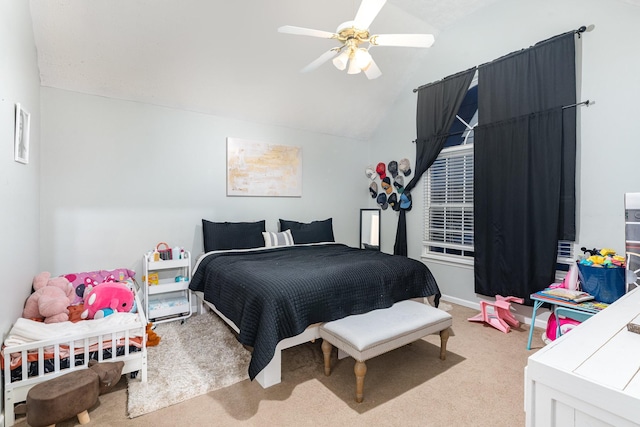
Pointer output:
x,y
541,319
462,302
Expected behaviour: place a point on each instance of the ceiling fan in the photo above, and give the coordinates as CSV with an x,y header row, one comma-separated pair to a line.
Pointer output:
x,y
352,35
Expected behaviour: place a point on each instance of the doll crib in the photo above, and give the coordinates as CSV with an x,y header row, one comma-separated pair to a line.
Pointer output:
x,y
25,365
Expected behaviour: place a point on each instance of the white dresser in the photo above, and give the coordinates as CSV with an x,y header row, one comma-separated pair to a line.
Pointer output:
x,y
590,376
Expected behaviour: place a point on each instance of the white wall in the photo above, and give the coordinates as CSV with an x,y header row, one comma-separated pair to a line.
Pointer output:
x,y
19,188
607,152
122,176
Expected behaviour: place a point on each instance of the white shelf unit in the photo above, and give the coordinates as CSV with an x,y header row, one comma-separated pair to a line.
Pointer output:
x,y
168,300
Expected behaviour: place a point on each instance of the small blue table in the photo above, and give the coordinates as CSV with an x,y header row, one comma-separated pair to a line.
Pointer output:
x,y
587,308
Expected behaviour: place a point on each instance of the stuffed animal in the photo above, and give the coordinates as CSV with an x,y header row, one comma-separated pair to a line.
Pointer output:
x,y
50,299
591,252
152,338
107,298
109,373
82,281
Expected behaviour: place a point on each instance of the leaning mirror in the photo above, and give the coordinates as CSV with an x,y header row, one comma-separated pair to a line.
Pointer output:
x,y
370,229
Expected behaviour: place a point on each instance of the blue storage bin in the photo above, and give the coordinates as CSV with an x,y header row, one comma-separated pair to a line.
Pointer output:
x,y
606,284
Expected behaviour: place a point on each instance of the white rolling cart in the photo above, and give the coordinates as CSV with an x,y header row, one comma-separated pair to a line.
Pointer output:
x,y
168,298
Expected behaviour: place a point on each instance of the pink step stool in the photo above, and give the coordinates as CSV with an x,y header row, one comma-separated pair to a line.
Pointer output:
x,y
499,316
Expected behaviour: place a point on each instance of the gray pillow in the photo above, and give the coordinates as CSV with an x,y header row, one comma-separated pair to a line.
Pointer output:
x,y
272,239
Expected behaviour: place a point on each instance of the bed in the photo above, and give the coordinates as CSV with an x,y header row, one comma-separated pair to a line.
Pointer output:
x,y
34,352
276,297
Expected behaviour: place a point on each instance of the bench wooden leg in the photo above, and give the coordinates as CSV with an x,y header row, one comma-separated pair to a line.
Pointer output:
x,y
326,351
444,337
360,369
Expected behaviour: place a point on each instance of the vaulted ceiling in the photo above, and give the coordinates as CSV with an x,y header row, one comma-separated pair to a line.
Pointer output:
x,y
226,58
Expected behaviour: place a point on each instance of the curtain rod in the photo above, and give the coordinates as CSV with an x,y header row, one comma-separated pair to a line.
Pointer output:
x,y
438,81
579,31
577,104
587,103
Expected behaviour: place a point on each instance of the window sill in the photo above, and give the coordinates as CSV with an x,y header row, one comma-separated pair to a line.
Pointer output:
x,y
447,260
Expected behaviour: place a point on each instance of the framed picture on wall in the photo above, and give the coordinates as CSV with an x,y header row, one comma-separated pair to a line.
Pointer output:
x,y
21,144
256,168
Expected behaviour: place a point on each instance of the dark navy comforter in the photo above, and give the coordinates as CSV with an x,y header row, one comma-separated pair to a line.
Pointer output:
x,y
275,293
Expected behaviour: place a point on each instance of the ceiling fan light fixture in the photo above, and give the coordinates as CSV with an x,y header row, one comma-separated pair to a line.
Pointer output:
x,y
341,60
353,67
362,58
352,34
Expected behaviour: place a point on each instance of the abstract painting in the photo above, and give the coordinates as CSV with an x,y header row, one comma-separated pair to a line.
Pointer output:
x,y
260,169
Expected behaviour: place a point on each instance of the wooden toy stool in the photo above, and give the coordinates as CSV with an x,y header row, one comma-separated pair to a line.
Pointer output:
x,y
63,397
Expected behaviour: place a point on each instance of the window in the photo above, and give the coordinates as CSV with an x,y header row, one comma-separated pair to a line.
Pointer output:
x,y
448,190
448,199
565,259
448,196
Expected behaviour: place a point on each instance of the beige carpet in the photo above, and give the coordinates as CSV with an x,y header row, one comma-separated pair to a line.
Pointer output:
x,y
193,358
480,384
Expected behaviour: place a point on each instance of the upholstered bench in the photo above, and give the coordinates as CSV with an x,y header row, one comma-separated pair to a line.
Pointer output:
x,y
363,336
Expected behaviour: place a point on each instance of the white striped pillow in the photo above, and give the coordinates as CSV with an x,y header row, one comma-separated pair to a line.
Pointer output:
x,y
272,239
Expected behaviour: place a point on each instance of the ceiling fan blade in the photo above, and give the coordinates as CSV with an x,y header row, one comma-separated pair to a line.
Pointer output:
x,y
321,60
404,40
372,71
367,12
290,29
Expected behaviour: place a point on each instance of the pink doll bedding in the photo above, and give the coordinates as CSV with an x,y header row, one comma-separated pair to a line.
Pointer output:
x,y
80,281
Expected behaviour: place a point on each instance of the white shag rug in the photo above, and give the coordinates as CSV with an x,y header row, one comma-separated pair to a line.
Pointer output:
x,y
193,358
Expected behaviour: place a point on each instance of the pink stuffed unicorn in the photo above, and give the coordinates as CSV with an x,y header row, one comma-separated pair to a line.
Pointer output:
x,y
107,298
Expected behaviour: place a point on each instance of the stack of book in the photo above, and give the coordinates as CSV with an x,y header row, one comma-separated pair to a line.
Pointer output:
x,y
579,299
566,294
573,298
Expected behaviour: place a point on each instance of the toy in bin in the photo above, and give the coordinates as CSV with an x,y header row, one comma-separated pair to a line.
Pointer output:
x,y
164,251
602,274
153,279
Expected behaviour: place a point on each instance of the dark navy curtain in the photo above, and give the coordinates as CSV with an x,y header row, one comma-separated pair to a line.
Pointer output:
x,y
524,167
438,104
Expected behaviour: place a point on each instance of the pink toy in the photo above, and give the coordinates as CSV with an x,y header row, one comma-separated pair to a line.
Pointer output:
x,y
105,298
500,317
82,281
566,325
570,280
50,299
